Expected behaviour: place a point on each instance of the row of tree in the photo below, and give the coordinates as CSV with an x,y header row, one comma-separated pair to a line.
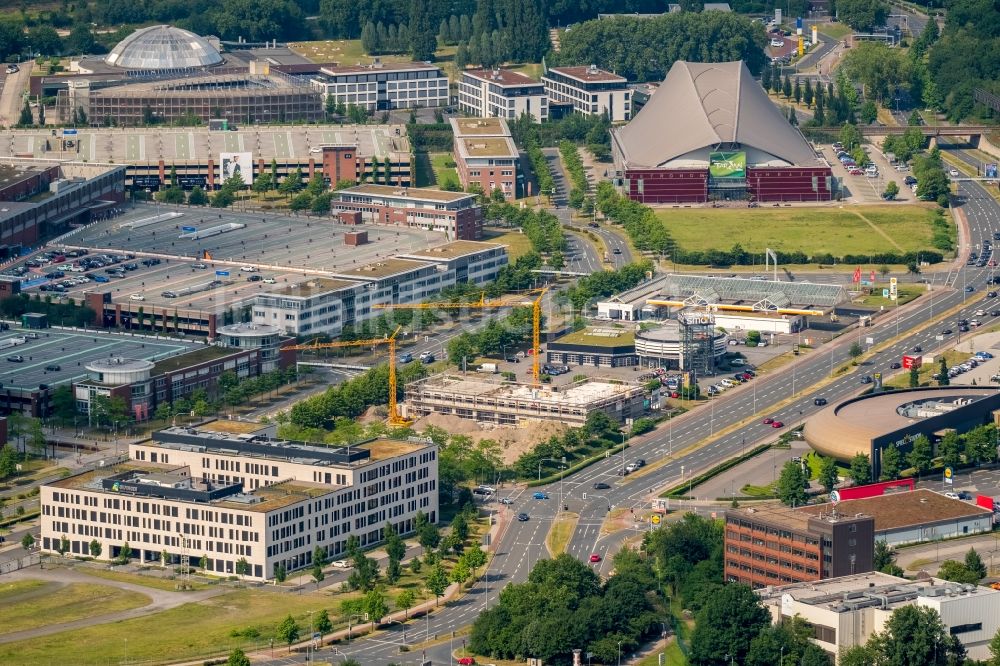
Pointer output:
x,y
604,283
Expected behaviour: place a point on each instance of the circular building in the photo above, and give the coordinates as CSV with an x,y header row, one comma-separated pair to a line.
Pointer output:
x,y
264,337
116,370
869,423
163,47
667,346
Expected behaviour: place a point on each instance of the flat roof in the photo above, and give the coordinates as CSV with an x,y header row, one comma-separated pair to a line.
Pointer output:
x,y
588,74
502,77
774,514
72,351
385,268
380,449
905,509
378,67
487,146
599,336
89,477
415,193
307,288
479,126
279,496
194,357
453,250
233,427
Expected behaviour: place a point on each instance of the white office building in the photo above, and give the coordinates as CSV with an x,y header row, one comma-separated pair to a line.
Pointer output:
x,y
502,93
224,496
325,305
590,90
844,612
384,86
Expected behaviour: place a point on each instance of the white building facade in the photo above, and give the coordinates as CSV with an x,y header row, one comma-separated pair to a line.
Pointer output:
x,y
222,499
590,90
384,86
502,93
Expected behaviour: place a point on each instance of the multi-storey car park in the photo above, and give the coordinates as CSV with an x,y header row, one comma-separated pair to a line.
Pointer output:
x,y
229,492
190,270
196,154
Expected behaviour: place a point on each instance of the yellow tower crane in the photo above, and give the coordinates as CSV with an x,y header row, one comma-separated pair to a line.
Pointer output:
x,y
482,303
394,416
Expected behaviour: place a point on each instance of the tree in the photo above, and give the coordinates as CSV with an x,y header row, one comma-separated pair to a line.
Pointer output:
x,y
920,454
242,567
318,575
26,118
222,199
423,42
856,350
791,484
301,201
828,473
375,606
957,572
995,650
321,204
125,554
729,620
914,380
862,15
238,658
197,197
405,600
765,79
62,546
95,548
807,93
322,623
280,573
27,541
913,635
437,581
287,631
891,190
81,40
950,449
786,87
892,463
792,118
974,563
797,91
883,556
942,376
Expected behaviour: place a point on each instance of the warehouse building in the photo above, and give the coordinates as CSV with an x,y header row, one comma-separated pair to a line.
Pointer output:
x,y
773,545
710,133
502,93
485,156
383,86
507,403
455,213
230,493
846,611
590,91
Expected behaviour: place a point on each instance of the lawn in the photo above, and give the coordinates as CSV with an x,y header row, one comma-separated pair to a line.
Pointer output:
x,y
835,30
560,533
444,170
839,231
927,370
136,579
67,604
516,242
18,588
349,52
904,294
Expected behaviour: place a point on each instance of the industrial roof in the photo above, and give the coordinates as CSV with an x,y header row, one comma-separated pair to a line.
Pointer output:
x,y
452,250
378,67
704,105
163,47
717,289
900,510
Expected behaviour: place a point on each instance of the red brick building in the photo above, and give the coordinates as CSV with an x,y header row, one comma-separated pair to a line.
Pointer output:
x,y
455,213
485,155
776,545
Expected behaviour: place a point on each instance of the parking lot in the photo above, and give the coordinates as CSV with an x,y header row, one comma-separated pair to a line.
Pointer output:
x,y
279,248
70,352
866,188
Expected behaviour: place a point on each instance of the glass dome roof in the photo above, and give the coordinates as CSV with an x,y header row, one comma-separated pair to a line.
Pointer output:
x,y
163,47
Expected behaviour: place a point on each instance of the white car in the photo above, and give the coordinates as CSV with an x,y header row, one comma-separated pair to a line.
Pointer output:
x,y
777,43
953,172
341,564
137,297
952,495
270,280
248,269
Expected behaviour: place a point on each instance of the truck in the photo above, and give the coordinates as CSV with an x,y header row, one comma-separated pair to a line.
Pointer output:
x,y
489,367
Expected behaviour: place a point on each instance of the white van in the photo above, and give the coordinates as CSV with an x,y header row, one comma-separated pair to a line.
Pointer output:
x,y
871,171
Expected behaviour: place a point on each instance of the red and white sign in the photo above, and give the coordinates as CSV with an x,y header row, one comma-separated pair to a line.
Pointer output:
x,y
912,362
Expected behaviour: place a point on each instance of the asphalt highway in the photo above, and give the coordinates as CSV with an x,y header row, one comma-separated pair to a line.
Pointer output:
x,y
729,424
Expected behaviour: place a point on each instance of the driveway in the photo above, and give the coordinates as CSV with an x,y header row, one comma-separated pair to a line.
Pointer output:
x,y
10,96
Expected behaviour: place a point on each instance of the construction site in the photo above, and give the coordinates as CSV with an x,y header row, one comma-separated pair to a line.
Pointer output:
x,y
509,403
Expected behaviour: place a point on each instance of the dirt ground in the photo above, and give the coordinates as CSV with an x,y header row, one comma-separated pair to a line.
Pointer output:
x,y
514,440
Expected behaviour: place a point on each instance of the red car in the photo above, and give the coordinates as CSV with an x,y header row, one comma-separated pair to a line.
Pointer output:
x,y
768,421
777,424
856,172
675,394
594,557
467,661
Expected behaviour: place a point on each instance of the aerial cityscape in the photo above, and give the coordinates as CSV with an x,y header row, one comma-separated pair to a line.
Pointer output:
x,y
500,332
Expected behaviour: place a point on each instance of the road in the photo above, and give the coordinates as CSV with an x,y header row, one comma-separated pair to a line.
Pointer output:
x,y
785,395
14,86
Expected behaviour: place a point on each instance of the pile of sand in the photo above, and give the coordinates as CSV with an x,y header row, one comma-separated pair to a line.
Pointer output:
x,y
514,440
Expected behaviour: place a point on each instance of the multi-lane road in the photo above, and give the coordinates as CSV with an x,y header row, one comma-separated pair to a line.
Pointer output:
x,y
729,424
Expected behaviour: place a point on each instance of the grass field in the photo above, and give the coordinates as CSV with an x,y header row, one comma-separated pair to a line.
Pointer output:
x,y
18,588
445,172
904,293
146,581
560,533
517,243
928,370
184,632
835,30
839,231
69,603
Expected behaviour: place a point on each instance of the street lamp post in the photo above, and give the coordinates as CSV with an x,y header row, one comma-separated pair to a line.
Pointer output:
x,y
619,653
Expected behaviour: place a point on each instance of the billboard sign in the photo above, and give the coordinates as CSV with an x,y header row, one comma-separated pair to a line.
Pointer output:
x,y
231,164
222,273
991,170
69,132
893,286
912,362
727,164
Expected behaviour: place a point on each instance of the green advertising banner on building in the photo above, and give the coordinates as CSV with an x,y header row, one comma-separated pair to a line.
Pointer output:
x,y
727,165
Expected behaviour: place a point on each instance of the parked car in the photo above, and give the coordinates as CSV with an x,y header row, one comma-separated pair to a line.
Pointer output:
x,y
137,297
342,564
405,357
